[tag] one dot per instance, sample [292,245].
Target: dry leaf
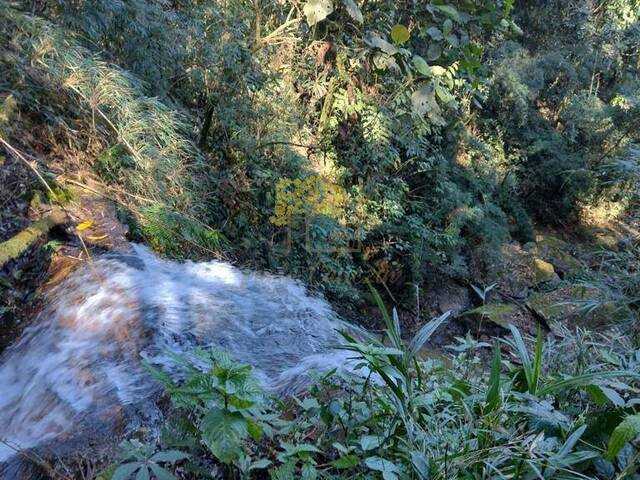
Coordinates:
[99,237]
[84,225]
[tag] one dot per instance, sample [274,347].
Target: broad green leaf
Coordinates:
[447,26]
[255,430]
[223,432]
[369,442]
[286,471]
[421,65]
[309,403]
[624,433]
[143,473]
[317,10]
[389,469]
[161,473]
[603,395]
[260,464]
[542,415]
[450,11]
[293,450]
[353,10]
[241,403]
[376,41]
[434,51]
[420,464]
[435,33]
[169,456]
[345,462]
[124,471]
[444,96]
[308,472]
[399,34]
[437,70]
[423,100]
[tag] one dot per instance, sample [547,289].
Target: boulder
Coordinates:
[560,254]
[577,305]
[543,271]
[498,313]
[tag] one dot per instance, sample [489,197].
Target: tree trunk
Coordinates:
[19,243]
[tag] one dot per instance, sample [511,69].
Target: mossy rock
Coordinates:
[604,237]
[559,253]
[607,313]
[565,306]
[608,240]
[498,313]
[543,271]
[553,307]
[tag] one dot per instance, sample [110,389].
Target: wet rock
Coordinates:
[101,228]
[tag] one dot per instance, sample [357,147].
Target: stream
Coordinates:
[81,361]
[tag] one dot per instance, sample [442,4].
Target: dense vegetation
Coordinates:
[446,138]
[341,141]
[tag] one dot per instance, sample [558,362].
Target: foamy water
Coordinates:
[84,352]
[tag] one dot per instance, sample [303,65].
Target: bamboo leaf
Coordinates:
[425,333]
[493,393]
[624,433]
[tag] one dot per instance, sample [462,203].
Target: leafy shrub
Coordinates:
[450,126]
[519,419]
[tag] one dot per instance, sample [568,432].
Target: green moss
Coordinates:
[607,313]
[498,313]
[58,195]
[18,244]
[551,307]
[579,305]
[559,253]
[543,271]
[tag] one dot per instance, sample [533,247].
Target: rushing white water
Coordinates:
[84,352]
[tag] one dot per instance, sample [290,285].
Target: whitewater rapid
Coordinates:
[84,353]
